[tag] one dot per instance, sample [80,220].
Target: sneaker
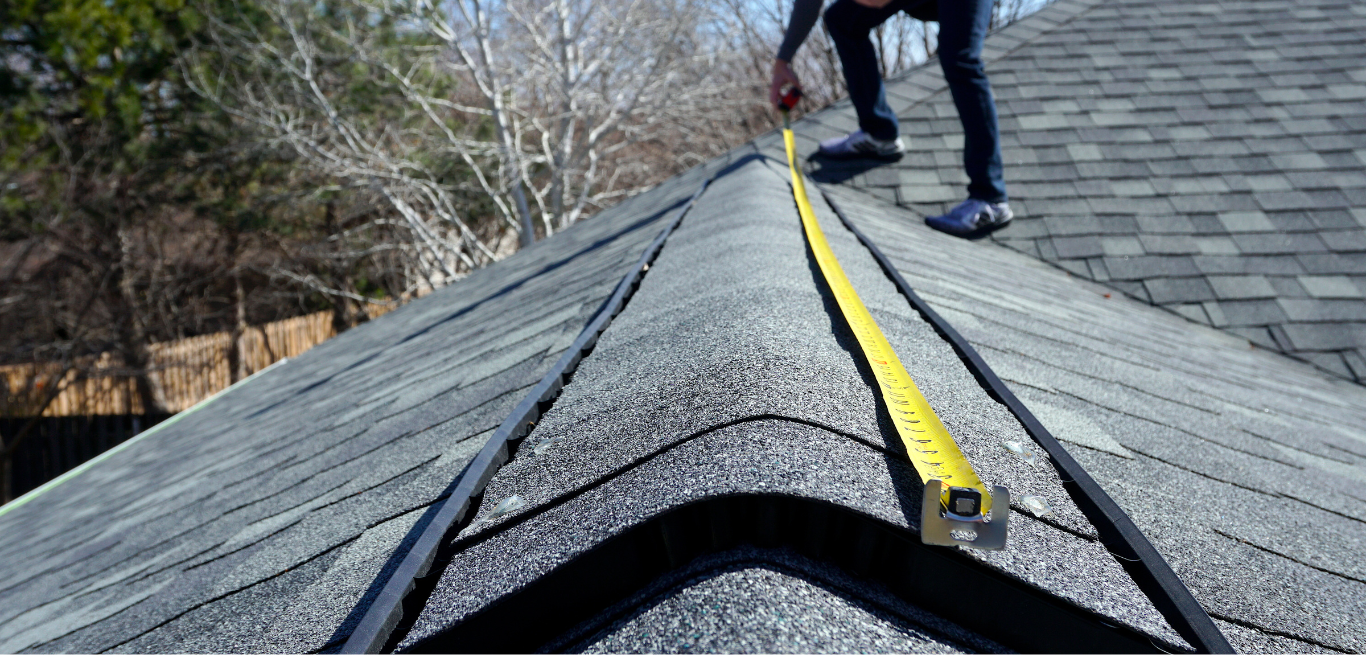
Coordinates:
[972,219]
[859,144]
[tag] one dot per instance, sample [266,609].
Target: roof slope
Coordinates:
[1207,157]
[261,521]
[1247,470]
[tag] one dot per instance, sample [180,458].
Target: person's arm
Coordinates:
[804,15]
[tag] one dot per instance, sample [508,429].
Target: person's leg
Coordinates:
[849,24]
[962,29]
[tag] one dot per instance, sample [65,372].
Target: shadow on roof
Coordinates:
[588,591]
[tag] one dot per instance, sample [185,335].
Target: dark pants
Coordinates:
[962,28]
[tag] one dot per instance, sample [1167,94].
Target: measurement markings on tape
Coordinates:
[957,509]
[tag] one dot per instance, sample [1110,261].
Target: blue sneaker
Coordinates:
[860,144]
[972,219]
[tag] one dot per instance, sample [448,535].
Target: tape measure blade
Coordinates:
[928,444]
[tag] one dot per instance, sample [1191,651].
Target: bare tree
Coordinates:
[569,84]
[297,76]
[499,116]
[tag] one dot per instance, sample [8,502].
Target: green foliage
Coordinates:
[87,62]
[88,97]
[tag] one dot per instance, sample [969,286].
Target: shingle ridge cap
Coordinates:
[472,538]
[784,560]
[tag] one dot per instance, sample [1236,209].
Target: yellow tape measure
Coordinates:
[932,450]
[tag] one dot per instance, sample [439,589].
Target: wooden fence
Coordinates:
[99,391]
[180,373]
[187,371]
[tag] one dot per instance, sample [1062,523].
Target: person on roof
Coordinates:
[962,29]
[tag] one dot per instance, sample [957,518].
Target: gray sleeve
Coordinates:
[804,15]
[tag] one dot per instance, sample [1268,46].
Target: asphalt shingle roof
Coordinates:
[1207,157]
[271,518]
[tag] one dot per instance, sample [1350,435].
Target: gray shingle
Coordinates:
[1076,266]
[1216,246]
[1350,241]
[1077,247]
[1281,200]
[1178,290]
[1142,268]
[1330,286]
[1340,219]
[1259,264]
[1121,246]
[1299,161]
[1213,203]
[1064,225]
[1241,287]
[1194,312]
[1246,221]
[1169,244]
[1278,243]
[1306,309]
[1292,221]
[1324,336]
[1287,287]
[1165,224]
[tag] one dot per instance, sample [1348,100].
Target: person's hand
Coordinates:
[782,76]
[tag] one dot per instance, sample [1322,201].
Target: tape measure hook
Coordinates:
[962,523]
